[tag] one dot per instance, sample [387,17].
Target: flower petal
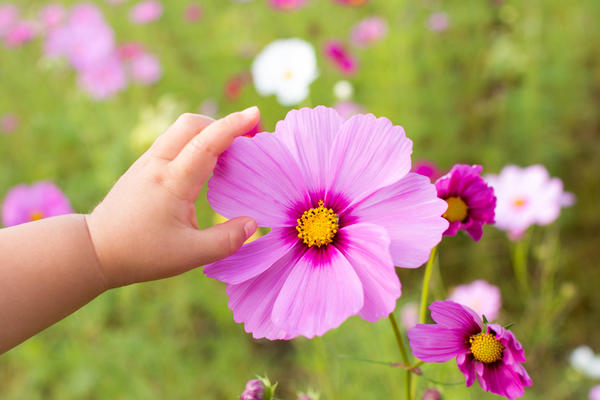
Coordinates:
[321,291]
[309,134]
[412,214]
[368,153]
[366,247]
[465,365]
[259,178]
[455,316]
[253,258]
[434,343]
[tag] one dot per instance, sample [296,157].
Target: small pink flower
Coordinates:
[9,16]
[340,57]
[29,203]
[9,123]
[19,34]
[369,31]
[145,69]
[104,79]
[427,168]
[348,109]
[193,13]
[438,22]
[52,16]
[287,5]
[129,50]
[483,298]
[145,12]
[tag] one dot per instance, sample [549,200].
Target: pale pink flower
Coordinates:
[25,203]
[595,393]
[104,79]
[52,16]
[483,298]
[369,31]
[145,12]
[438,22]
[145,69]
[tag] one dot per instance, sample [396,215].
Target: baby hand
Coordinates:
[146,227]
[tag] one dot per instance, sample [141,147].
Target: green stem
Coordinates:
[520,264]
[425,290]
[403,354]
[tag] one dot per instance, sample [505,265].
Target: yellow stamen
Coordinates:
[36,215]
[519,202]
[457,209]
[287,74]
[317,226]
[486,348]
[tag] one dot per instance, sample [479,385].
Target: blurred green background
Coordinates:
[508,82]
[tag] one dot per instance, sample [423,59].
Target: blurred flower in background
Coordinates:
[409,315]
[209,107]
[527,196]
[438,22]
[145,69]
[341,58]
[431,394]
[595,393]
[287,5]
[352,2]
[193,13]
[52,16]
[285,68]
[103,80]
[9,16]
[482,297]
[343,90]
[9,123]
[235,84]
[585,361]
[25,203]
[145,12]
[369,31]
[427,168]
[19,33]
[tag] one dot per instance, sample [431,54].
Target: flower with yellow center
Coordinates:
[457,209]
[36,216]
[486,348]
[317,226]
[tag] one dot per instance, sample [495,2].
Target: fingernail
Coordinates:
[250,111]
[250,228]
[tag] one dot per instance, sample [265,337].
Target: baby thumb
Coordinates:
[222,240]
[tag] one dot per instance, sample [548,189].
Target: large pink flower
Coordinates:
[343,210]
[490,353]
[29,203]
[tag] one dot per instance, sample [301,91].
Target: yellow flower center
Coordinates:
[287,74]
[519,202]
[457,209]
[317,226]
[486,348]
[35,216]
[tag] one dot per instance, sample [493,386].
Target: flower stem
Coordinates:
[520,264]
[403,354]
[425,290]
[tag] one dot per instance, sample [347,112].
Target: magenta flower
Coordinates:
[287,5]
[595,393]
[480,296]
[193,13]
[471,202]
[145,69]
[19,34]
[369,31]
[9,123]
[438,22]
[343,209]
[490,353]
[145,12]
[348,109]
[527,196]
[254,390]
[340,57]
[104,79]
[29,203]
[427,168]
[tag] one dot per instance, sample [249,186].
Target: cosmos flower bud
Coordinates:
[255,390]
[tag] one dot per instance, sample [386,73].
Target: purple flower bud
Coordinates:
[431,394]
[254,390]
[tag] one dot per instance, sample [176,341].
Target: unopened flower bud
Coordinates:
[254,390]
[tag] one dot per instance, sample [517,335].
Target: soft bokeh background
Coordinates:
[506,82]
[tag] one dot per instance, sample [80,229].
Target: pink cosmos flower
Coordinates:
[527,196]
[343,210]
[145,12]
[9,16]
[104,79]
[29,203]
[595,393]
[129,50]
[369,31]
[9,123]
[287,5]
[438,22]
[480,296]
[145,69]
[348,109]
[193,13]
[52,16]
[490,353]
[340,57]
[428,169]
[19,34]
[471,202]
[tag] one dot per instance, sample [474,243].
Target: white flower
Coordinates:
[343,90]
[285,68]
[584,360]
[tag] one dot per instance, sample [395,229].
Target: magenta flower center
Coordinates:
[486,348]
[457,209]
[317,226]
